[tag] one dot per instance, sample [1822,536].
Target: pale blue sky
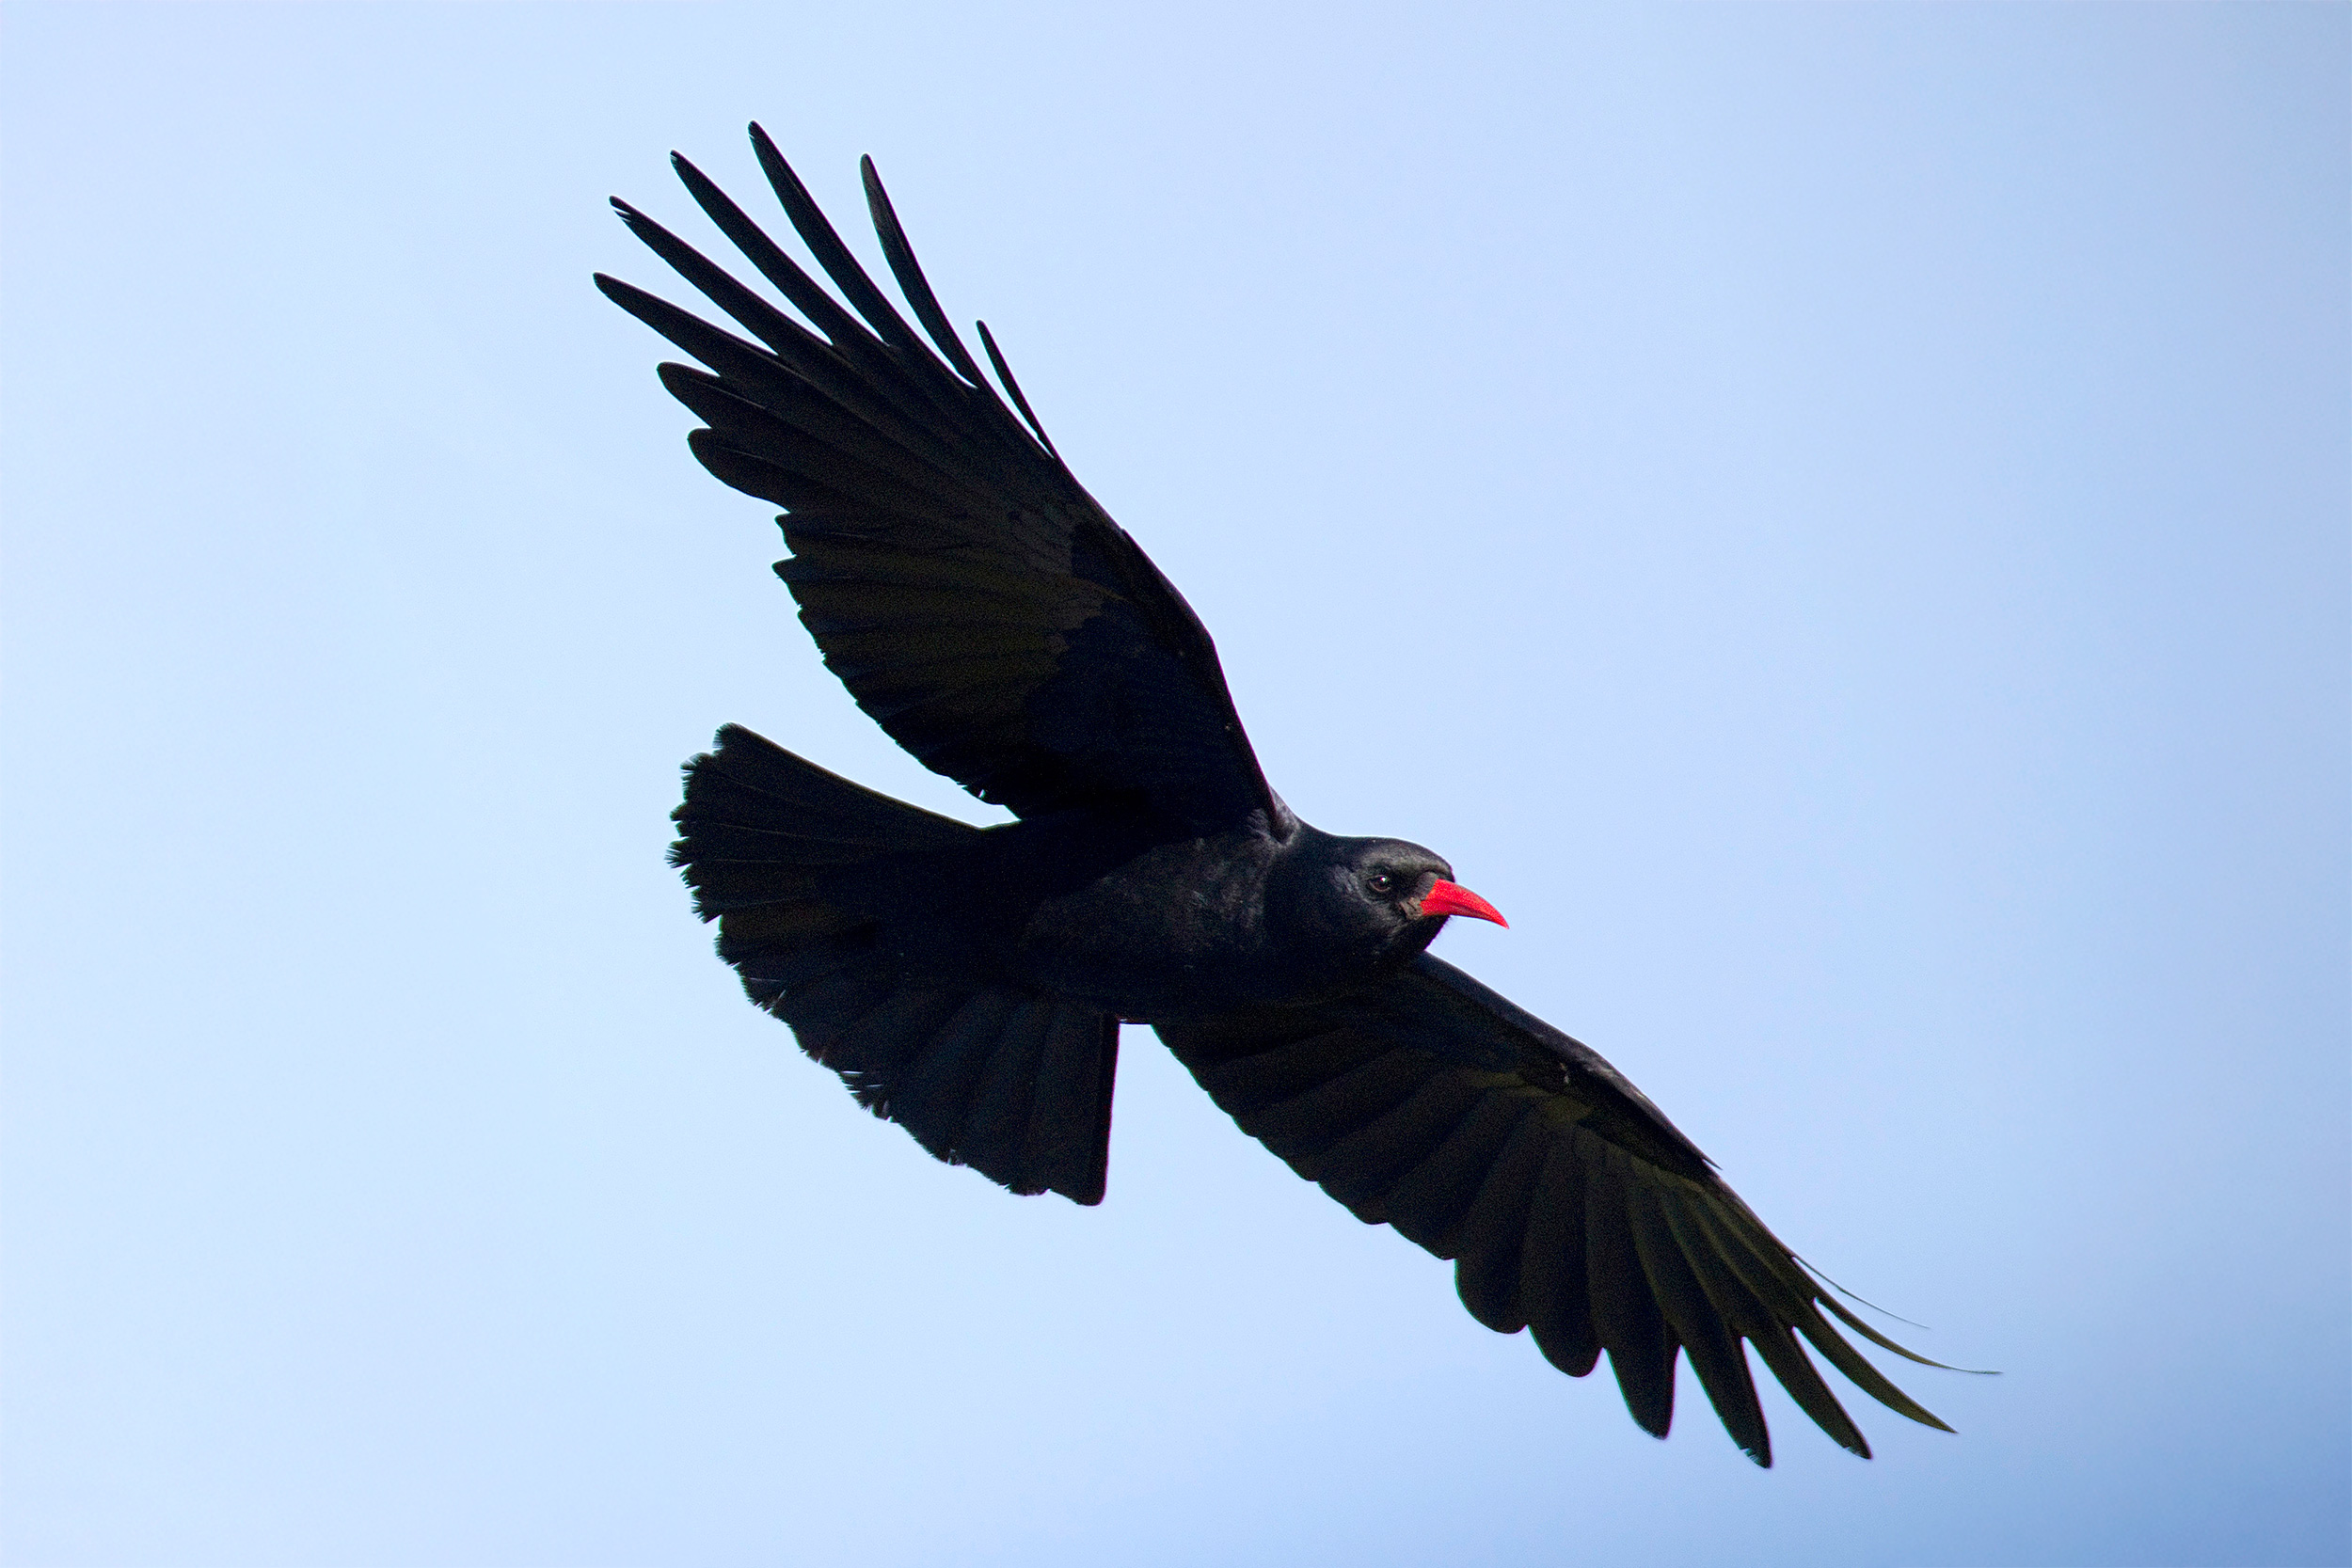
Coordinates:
[1834,518]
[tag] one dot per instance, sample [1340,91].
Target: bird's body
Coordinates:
[1195,926]
[969,984]
[1177,928]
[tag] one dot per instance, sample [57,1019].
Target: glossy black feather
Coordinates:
[1710,1341]
[1556,1286]
[1491,1248]
[1626,1317]
[1430,1203]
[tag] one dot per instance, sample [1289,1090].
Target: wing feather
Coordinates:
[1431,1203]
[1363,1168]
[1490,1270]
[1570,1204]
[1555,1287]
[1699,1323]
[1626,1317]
[969,593]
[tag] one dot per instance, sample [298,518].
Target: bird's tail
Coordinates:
[836,906]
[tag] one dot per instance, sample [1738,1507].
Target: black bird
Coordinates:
[969,984]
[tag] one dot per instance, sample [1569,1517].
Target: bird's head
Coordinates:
[1370,901]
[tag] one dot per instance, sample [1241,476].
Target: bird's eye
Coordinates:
[1381,882]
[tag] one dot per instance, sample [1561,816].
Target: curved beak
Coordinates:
[1453,898]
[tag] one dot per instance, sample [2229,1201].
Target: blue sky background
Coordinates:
[1834,518]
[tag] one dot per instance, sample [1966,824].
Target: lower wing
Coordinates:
[1568,1203]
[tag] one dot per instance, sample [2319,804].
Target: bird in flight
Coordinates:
[969,984]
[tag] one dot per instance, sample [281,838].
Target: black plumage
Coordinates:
[969,984]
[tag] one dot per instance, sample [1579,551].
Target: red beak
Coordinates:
[1453,898]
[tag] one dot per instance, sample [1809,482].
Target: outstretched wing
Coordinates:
[1568,1203]
[976,600]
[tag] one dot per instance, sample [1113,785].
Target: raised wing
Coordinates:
[976,600]
[1568,1203]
